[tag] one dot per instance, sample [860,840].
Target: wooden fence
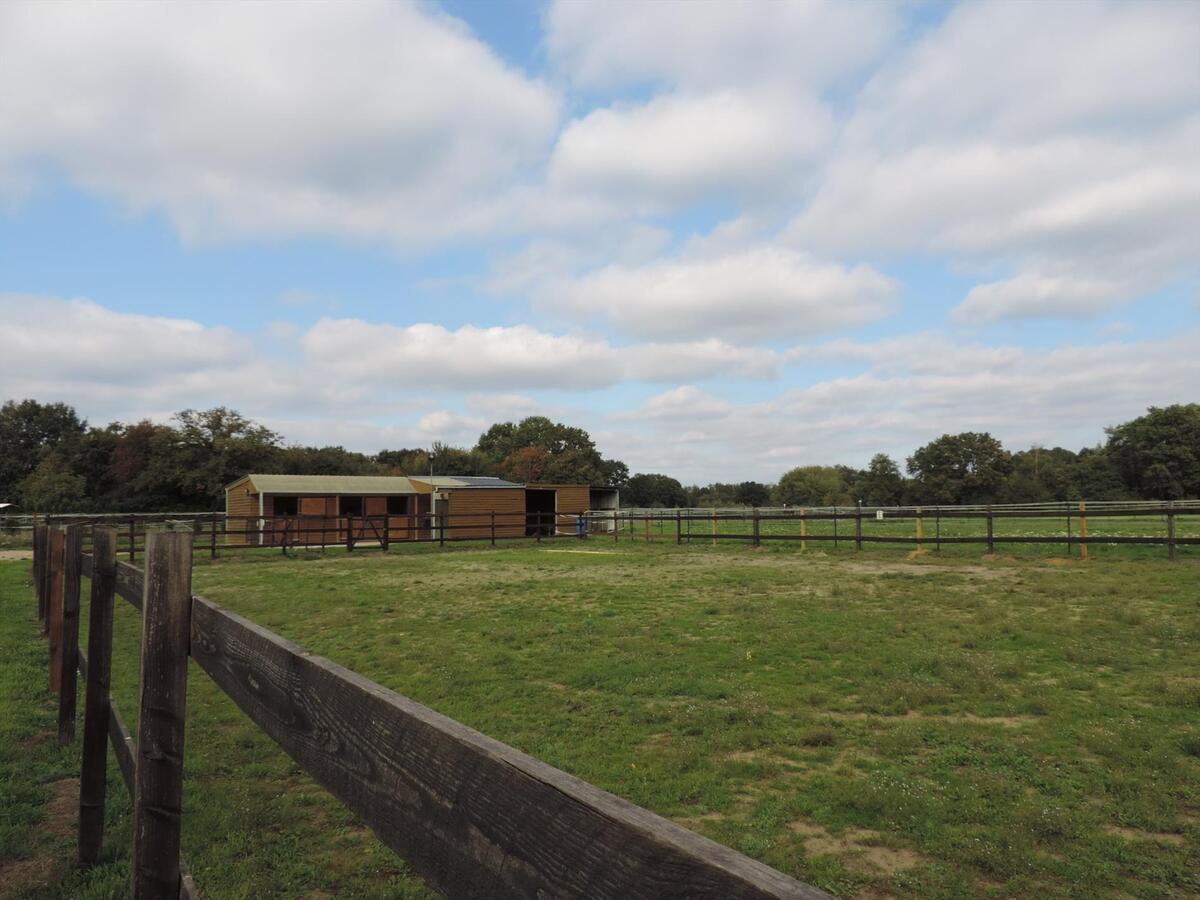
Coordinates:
[838,526]
[472,816]
[214,536]
[850,525]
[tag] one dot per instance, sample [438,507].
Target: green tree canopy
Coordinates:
[959,468]
[217,446]
[30,430]
[881,483]
[812,486]
[1158,454]
[651,490]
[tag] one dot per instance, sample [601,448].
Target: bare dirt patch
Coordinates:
[19,877]
[889,568]
[9,555]
[1136,834]
[859,846]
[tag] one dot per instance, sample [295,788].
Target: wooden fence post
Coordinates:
[647,524]
[39,569]
[920,529]
[54,607]
[757,538]
[132,538]
[990,542]
[714,526]
[212,539]
[1083,548]
[349,532]
[1171,529]
[858,527]
[678,526]
[835,531]
[441,529]
[803,528]
[68,658]
[386,529]
[616,527]
[493,528]
[95,710]
[158,774]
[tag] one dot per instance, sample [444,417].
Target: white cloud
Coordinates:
[1034,296]
[518,356]
[677,148]
[902,400]
[1077,167]
[715,44]
[1022,71]
[79,339]
[759,293]
[374,120]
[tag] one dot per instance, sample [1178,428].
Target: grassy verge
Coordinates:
[873,725]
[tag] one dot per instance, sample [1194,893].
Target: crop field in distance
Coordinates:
[878,725]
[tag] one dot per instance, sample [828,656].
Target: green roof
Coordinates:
[363,485]
[366,485]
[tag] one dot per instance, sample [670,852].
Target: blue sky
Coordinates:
[726,239]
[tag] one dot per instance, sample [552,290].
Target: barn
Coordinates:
[320,509]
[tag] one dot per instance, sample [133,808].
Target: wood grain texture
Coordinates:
[473,817]
[54,601]
[101,566]
[162,707]
[122,744]
[130,583]
[72,576]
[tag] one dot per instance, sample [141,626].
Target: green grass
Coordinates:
[941,727]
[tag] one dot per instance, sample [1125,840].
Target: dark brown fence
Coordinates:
[926,525]
[215,533]
[472,816]
[929,526]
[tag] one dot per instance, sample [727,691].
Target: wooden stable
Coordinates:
[274,510]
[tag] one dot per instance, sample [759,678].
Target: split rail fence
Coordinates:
[925,525]
[470,815]
[1065,524]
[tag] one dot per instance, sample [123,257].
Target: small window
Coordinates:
[350,506]
[287,506]
[397,506]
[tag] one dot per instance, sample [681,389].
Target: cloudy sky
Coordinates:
[725,238]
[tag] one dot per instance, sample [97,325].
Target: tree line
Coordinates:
[51,460]
[1155,456]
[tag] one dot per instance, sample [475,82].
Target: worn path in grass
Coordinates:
[875,726]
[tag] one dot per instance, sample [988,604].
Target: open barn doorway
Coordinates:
[540,507]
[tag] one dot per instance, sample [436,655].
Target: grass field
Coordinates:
[945,726]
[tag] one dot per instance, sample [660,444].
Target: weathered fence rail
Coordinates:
[757,526]
[472,816]
[214,536]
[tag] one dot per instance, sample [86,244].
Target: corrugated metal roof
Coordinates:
[363,485]
[366,485]
[472,481]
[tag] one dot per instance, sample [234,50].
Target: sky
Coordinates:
[725,238]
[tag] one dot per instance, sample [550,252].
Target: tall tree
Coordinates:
[812,486]
[217,446]
[652,490]
[1158,454]
[959,468]
[30,430]
[564,453]
[52,487]
[881,484]
[752,493]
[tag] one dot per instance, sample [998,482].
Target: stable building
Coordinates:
[326,509]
